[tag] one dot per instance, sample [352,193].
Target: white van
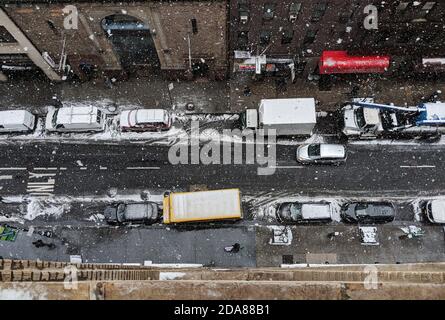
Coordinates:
[12,121]
[75,119]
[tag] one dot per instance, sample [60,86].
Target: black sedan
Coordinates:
[368,212]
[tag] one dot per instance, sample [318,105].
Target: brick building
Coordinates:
[173,37]
[408,31]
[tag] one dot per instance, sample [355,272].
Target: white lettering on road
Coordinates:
[41,184]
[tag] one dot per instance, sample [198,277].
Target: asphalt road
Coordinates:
[93,169]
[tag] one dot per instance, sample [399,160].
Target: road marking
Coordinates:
[12,169]
[143,168]
[83,168]
[103,168]
[410,167]
[63,168]
[286,167]
[41,184]
[45,169]
[5,177]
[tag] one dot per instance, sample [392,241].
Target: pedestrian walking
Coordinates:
[233,248]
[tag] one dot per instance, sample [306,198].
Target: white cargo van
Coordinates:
[75,119]
[12,121]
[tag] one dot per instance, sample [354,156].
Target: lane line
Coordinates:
[286,167]
[5,177]
[103,168]
[12,169]
[45,169]
[83,168]
[143,168]
[411,167]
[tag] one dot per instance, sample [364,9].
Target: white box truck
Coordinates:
[202,206]
[12,121]
[289,117]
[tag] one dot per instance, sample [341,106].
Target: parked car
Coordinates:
[75,119]
[298,212]
[122,213]
[368,212]
[321,153]
[145,120]
[435,211]
[15,121]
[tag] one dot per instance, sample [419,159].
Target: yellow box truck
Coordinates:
[202,206]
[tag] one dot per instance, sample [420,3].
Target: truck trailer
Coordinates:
[364,119]
[202,206]
[289,117]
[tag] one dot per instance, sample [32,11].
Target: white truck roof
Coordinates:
[287,111]
[14,117]
[203,205]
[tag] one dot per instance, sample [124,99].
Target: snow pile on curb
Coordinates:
[45,207]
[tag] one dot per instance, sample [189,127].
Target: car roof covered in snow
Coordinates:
[146,115]
[287,111]
[12,117]
[316,211]
[438,211]
[332,150]
[68,115]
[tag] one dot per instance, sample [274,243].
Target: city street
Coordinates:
[94,169]
[64,188]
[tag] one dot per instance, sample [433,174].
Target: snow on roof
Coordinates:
[11,117]
[68,115]
[438,211]
[287,111]
[316,211]
[150,115]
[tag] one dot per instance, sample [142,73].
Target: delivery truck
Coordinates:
[202,206]
[289,117]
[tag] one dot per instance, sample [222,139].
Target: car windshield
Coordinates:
[360,209]
[313,150]
[295,211]
[54,119]
[360,116]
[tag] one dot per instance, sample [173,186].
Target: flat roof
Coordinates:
[12,117]
[287,111]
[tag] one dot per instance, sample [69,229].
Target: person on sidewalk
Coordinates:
[233,248]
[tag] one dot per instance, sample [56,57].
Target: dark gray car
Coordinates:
[368,212]
[146,212]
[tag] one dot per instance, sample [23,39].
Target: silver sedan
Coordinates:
[321,153]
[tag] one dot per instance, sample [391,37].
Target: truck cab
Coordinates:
[360,121]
